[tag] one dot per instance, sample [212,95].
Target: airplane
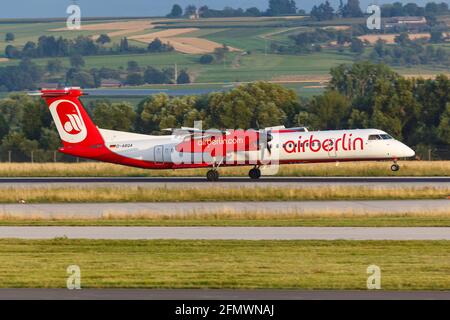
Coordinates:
[196,148]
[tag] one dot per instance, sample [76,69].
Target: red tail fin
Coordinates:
[78,133]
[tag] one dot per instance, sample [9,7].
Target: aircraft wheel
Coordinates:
[254,174]
[212,175]
[395,167]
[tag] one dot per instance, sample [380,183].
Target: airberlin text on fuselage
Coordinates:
[345,143]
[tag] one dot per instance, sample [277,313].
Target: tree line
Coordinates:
[362,95]
[275,8]
[50,46]
[352,9]
[406,52]
[27,75]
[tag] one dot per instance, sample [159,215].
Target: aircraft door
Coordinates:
[159,154]
[167,153]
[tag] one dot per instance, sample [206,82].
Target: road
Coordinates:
[200,182]
[228,233]
[97,210]
[216,294]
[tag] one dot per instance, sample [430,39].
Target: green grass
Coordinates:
[168,194]
[243,220]
[405,265]
[256,66]
[344,169]
[242,38]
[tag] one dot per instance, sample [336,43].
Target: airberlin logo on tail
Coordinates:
[68,121]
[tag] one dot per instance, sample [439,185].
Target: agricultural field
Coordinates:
[249,40]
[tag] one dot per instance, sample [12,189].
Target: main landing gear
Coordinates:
[254,173]
[212,175]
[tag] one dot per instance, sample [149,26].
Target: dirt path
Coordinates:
[390,38]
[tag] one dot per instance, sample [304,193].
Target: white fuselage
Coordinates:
[285,147]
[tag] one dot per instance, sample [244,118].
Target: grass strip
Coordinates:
[405,265]
[217,193]
[229,219]
[95,169]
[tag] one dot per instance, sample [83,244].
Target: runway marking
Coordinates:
[229,233]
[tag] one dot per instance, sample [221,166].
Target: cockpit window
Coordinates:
[386,137]
[375,137]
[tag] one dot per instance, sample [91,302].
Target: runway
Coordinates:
[97,210]
[200,182]
[216,294]
[228,233]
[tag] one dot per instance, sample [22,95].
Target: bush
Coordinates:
[206,59]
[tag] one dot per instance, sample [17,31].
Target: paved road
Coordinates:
[200,182]
[228,233]
[96,210]
[216,294]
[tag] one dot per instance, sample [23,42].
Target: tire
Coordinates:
[395,167]
[212,175]
[254,174]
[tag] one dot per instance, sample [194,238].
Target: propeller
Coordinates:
[265,137]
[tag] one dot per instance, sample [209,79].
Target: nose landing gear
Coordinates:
[254,173]
[395,167]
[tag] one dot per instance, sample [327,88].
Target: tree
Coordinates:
[124,47]
[220,52]
[183,77]
[155,76]
[403,39]
[254,105]
[103,38]
[329,111]
[352,9]
[16,142]
[281,7]
[323,12]
[54,66]
[29,50]
[12,52]
[77,61]
[32,69]
[77,78]
[158,46]
[4,127]
[253,12]
[160,111]
[206,59]
[357,45]
[9,37]
[190,10]
[176,12]
[443,129]
[118,116]
[133,66]
[134,79]
[436,35]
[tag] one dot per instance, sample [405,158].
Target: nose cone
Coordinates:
[407,152]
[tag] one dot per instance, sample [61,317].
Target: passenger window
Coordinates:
[374,137]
